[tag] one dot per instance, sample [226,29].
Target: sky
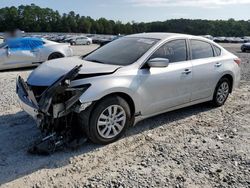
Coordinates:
[146,10]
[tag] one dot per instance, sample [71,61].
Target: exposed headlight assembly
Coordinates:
[66,101]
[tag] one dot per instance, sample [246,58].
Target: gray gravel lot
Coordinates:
[198,146]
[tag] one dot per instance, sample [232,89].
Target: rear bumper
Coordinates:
[236,77]
[27,104]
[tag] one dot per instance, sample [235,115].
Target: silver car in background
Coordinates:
[25,52]
[80,40]
[129,79]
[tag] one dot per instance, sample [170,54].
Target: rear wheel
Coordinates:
[55,56]
[221,92]
[109,120]
[88,43]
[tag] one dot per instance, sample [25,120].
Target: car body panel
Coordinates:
[50,71]
[158,87]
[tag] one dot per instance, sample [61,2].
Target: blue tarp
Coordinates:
[24,43]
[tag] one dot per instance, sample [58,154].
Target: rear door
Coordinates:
[166,87]
[205,66]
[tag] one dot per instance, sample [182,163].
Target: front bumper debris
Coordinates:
[26,98]
[39,107]
[54,115]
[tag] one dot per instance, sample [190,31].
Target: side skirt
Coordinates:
[140,118]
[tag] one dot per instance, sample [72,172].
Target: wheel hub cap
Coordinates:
[111,121]
[222,92]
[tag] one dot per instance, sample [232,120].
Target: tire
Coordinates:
[73,43]
[221,92]
[243,50]
[55,56]
[88,43]
[104,129]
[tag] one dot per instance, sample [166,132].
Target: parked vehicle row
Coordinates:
[245,47]
[129,79]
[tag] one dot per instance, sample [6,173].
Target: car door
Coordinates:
[80,40]
[20,54]
[166,87]
[85,40]
[204,69]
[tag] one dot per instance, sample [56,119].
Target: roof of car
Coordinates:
[158,35]
[24,43]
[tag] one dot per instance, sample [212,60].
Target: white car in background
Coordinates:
[25,52]
[81,41]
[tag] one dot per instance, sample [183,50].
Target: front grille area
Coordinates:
[38,90]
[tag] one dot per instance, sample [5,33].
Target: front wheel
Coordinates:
[109,120]
[221,92]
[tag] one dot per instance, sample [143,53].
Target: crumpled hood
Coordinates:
[48,72]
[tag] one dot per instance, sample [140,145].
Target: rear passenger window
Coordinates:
[201,49]
[175,51]
[217,51]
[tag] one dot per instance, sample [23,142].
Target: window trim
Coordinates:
[164,43]
[215,54]
[190,49]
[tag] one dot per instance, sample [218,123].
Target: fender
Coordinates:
[100,87]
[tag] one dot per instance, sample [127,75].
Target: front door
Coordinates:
[166,87]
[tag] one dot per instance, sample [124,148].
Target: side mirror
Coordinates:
[158,62]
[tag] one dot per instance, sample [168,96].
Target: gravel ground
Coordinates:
[198,146]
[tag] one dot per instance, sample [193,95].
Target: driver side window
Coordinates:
[174,51]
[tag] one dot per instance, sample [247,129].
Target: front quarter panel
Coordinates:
[102,86]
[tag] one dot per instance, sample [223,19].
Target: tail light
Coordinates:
[237,61]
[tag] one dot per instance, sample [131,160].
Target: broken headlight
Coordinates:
[66,101]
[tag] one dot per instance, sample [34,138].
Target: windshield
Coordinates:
[123,51]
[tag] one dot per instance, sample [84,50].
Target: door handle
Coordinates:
[186,71]
[218,64]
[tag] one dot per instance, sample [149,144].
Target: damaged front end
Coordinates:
[55,106]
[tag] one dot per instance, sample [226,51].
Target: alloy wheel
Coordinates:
[111,121]
[222,92]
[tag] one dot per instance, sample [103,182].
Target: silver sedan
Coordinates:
[24,52]
[127,80]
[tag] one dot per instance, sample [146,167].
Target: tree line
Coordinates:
[32,18]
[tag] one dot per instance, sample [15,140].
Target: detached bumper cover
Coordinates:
[26,100]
